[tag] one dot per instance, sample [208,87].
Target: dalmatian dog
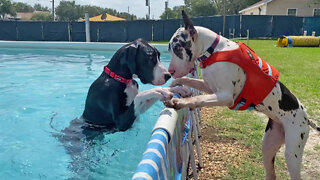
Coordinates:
[224,81]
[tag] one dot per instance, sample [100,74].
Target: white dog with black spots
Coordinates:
[223,82]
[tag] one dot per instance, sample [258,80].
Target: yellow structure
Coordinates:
[108,17]
[298,41]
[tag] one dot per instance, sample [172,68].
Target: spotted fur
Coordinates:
[180,44]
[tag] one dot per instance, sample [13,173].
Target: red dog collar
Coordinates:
[116,76]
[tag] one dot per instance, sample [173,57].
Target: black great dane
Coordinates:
[113,101]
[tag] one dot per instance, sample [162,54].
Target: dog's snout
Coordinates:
[167,77]
[172,72]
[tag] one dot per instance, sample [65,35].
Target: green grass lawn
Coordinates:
[300,71]
[160,42]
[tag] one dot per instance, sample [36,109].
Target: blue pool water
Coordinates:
[42,86]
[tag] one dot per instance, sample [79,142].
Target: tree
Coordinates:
[41,16]
[126,15]
[120,14]
[6,8]
[39,7]
[232,6]
[22,7]
[202,8]
[92,10]
[68,11]
[171,14]
[313,3]
[178,10]
[195,8]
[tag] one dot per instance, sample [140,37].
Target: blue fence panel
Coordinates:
[205,22]
[139,29]
[158,33]
[8,30]
[214,23]
[170,27]
[164,29]
[55,31]
[259,26]
[197,21]
[112,31]
[94,31]
[232,24]
[287,25]
[78,31]
[312,24]
[159,30]
[217,24]
[29,31]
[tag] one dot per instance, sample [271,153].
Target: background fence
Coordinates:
[157,30]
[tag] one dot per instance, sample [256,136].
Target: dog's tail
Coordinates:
[313,125]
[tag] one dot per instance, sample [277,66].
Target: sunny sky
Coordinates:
[136,7]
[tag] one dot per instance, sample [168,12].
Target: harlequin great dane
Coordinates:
[234,76]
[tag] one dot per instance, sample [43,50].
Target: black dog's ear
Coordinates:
[188,25]
[130,55]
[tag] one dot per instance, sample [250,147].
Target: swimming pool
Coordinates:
[39,86]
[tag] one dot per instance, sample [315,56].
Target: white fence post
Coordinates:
[87,27]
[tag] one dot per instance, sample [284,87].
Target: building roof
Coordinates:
[258,4]
[108,17]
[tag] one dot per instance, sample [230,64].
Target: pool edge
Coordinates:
[96,46]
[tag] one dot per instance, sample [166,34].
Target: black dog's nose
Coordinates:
[167,77]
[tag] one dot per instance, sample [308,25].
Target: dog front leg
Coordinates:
[144,100]
[218,99]
[194,83]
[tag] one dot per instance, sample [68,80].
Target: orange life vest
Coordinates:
[261,77]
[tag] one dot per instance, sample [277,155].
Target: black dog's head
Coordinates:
[182,48]
[143,60]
